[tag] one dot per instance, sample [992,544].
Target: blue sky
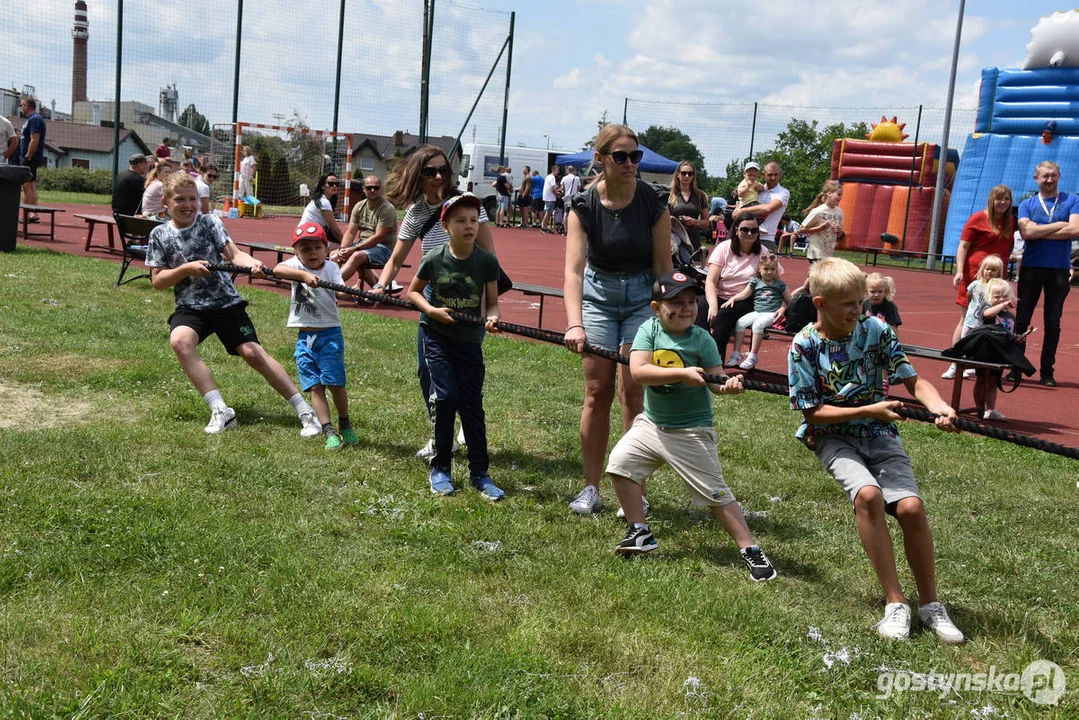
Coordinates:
[572,60]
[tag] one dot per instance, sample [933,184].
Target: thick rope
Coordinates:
[555,338]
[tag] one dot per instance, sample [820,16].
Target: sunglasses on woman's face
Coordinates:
[748,231]
[620,156]
[686,173]
[211,177]
[430,172]
[335,183]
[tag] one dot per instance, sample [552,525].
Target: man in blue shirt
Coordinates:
[1048,222]
[32,149]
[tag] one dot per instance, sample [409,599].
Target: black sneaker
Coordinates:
[638,540]
[1048,381]
[760,567]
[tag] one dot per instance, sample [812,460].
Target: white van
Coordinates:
[478,159]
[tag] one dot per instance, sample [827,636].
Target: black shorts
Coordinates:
[231,325]
[33,165]
[537,204]
[523,201]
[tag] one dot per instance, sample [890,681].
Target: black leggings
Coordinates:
[725,320]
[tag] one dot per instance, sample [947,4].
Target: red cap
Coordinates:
[466,198]
[309,230]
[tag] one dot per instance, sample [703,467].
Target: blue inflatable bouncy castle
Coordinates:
[1024,117]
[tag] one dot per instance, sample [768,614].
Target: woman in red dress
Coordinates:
[987,232]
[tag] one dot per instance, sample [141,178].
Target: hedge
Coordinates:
[73,179]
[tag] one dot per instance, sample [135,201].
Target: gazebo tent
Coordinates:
[651,162]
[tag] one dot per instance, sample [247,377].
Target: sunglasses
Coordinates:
[748,231]
[372,187]
[620,156]
[211,177]
[686,173]
[336,183]
[430,172]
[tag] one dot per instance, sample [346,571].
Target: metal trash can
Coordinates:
[12,178]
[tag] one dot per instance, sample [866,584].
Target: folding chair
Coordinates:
[134,238]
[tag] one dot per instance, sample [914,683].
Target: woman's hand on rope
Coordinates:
[576,338]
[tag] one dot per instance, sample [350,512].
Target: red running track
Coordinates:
[926,301]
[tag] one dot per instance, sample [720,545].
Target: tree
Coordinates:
[591,144]
[192,118]
[672,143]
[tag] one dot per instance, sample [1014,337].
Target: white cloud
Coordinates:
[570,80]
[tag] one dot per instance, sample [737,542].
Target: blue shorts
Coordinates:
[320,358]
[548,206]
[503,202]
[614,306]
[378,255]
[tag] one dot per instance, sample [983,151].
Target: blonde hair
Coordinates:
[829,187]
[834,275]
[174,183]
[889,284]
[676,192]
[605,138]
[998,284]
[995,194]
[990,261]
[152,175]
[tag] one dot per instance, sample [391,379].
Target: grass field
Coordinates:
[148,570]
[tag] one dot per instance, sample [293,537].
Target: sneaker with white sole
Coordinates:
[749,362]
[895,625]
[994,415]
[949,374]
[735,359]
[587,501]
[221,420]
[638,540]
[760,567]
[644,502]
[969,373]
[487,488]
[394,288]
[441,482]
[460,439]
[934,617]
[428,451]
[311,426]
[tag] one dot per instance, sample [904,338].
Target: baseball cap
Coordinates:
[466,198]
[308,230]
[670,284]
[136,159]
[751,166]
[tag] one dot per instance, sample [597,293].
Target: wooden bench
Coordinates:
[918,351]
[541,291]
[40,210]
[947,262]
[93,221]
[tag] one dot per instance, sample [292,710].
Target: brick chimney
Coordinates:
[80,33]
[398,138]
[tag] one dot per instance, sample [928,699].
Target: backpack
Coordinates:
[800,312]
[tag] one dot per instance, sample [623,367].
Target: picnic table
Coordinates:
[40,210]
[94,220]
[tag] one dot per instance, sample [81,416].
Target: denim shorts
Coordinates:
[503,202]
[378,255]
[614,306]
[320,358]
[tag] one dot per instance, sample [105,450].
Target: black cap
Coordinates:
[136,159]
[670,284]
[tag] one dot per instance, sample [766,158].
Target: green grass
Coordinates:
[52,197]
[148,570]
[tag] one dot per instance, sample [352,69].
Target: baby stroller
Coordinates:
[684,257]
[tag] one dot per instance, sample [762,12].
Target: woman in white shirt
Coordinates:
[320,209]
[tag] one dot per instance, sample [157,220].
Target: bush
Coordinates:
[72,179]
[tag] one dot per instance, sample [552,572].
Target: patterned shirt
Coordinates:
[204,239]
[845,373]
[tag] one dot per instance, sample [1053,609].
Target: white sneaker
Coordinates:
[949,374]
[969,373]
[221,420]
[622,513]
[311,426]
[394,288]
[896,622]
[460,439]
[935,618]
[735,359]
[994,415]
[750,361]
[587,501]
[428,451]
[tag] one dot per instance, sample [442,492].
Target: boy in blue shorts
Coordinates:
[458,276]
[669,357]
[836,371]
[320,347]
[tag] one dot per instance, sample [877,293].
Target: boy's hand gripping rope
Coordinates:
[909,412]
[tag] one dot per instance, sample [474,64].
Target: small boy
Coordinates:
[320,346]
[750,186]
[836,373]
[462,277]
[179,255]
[669,357]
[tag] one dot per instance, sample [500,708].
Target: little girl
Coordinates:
[998,311]
[770,298]
[823,224]
[880,291]
[990,267]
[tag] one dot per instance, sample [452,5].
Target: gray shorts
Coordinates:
[878,462]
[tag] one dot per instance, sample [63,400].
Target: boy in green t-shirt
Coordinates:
[669,357]
[458,276]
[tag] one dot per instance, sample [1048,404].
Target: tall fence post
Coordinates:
[425,65]
[506,96]
[116,102]
[625,111]
[910,191]
[236,70]
[337,84]
[753,131]
[942,165]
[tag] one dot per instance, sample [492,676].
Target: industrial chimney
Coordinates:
[79,34]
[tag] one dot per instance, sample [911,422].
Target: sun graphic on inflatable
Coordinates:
[888,131]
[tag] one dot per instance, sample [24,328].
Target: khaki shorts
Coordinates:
[691,453]
[879,462]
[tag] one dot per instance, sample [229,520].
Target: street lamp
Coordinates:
[548,140]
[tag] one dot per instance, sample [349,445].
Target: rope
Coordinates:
[555,338]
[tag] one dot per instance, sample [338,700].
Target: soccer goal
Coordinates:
[289,160]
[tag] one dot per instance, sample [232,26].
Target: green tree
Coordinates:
[192,118]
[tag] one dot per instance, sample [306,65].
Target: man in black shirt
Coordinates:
[128,188]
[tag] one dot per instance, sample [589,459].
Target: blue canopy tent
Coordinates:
[651,162]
